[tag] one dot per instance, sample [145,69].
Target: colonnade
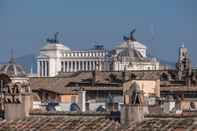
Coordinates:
[43,68]
[74,66]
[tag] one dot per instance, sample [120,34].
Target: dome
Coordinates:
[133,44]
[13,69]
[131,53]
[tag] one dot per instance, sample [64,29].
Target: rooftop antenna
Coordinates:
[149,52]
[183,45]
[152,32]
[12,60]
[31,70]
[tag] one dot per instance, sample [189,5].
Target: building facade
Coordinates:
[131,55]
[55,57]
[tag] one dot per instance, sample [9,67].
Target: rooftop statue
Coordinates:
[131,37]
[53,40]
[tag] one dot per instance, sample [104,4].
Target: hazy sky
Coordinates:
[162,25]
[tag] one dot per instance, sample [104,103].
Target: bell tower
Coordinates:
[15,91]
[17,100]
[184,65]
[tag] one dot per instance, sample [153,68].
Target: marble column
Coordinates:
[46,68]
[66,69]
[79,62]
[42,68]
[38,68]
[100,66]
[90,65]
[93,65]
[82,65]
[68,66]
[82,100]
[63,66]
[96,64]
[75,67]
[71,68]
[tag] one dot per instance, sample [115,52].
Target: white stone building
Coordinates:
[133,44]
[55,57]
[131,55]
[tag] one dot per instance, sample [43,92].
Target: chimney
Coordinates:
[133,109]
[18,101]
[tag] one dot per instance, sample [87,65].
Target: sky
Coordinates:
[162,25]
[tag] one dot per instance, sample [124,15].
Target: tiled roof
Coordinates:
[97,123]
[164,124]
[60,124]
[55,84]
[60,84]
